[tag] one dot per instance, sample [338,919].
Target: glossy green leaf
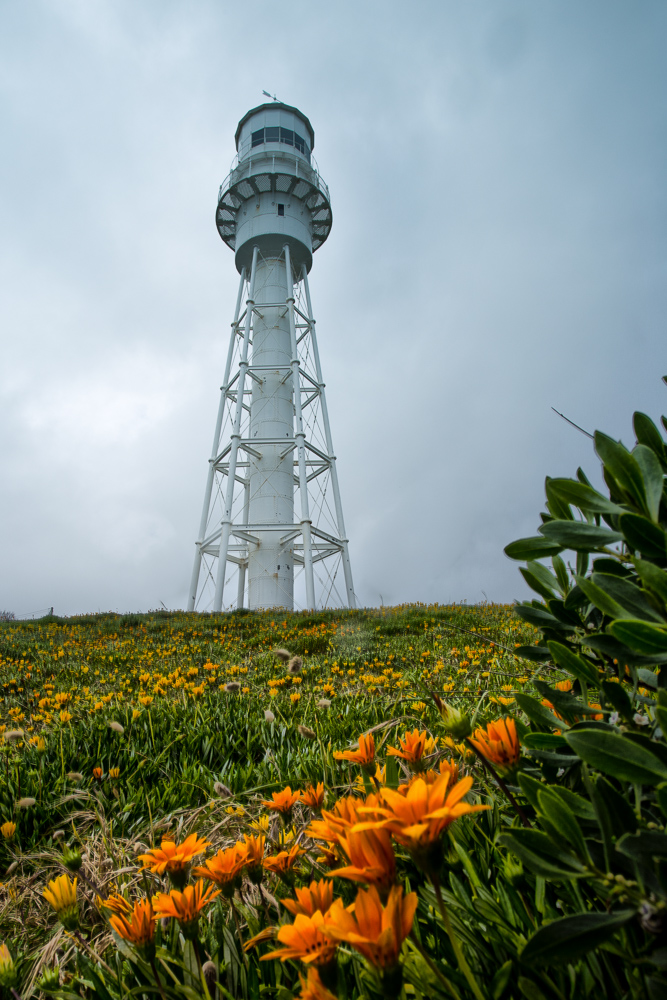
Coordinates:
[647,433]
[558,507]
[618,461]
[535,653]
[537,713]
[541,855]
[651,470]
[566,939]
[576,665]
[640,636]
[577,535]
[644,536]
[626,595]
[618,698]
[558,813]
[535,583]
[653,578]
[538,616]
[560,569]
[584,497]
[618,756]
[600,599]
[532,548]
[645,845]
[544,741]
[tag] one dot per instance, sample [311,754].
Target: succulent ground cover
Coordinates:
[423,801]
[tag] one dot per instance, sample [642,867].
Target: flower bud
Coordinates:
[72,858]
[456,723]
[8,974]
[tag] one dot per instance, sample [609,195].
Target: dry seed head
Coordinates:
[294,665]
[26,802]
[232,687]
[14,734]
[221,789]
[58,834]
[308,733]
[210,974]
[117,728]
[12,868]
[324,703]
[282,654]
[269,716]
[75,776]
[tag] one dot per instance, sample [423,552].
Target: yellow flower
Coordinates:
[319,896]
[8,830]
[371,858]
[66,717]
[8,973]
[61,895]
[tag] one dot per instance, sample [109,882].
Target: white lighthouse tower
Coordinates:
[272,532]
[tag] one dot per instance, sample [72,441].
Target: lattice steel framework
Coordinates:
[315,538]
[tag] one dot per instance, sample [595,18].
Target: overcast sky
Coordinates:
[497,172]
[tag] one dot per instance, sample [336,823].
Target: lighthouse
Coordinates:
[272,532]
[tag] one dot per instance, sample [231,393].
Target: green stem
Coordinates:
[487,767]
[157,978]
[464,968]
[434,968]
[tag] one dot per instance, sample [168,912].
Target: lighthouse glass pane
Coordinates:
[258,138]
[299,142]
[287,136]
[272,133]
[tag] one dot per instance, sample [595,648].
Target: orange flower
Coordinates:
[137,927]
[313,988]
[174,859]
[314,796]
[413,747]
[251,854]
[499,744]
[282,802]
[283,862]
[222,869]
[305,940]
[185,906]
[374,930]
[371,856]
[318,897]
[431,776]
[344,814]
[418,818]
[97,773]
[364,755]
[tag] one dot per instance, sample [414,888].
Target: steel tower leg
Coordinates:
[194,582]
[300,441]
[226,525]
[347,568]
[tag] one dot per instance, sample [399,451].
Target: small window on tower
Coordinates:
[258,138]
[281,209]
[287,136]
[272,133]
[299,142]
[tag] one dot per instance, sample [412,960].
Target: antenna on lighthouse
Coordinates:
[272,531]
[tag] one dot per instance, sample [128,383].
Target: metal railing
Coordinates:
[274,162]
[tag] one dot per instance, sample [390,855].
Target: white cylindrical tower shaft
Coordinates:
[270,563]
